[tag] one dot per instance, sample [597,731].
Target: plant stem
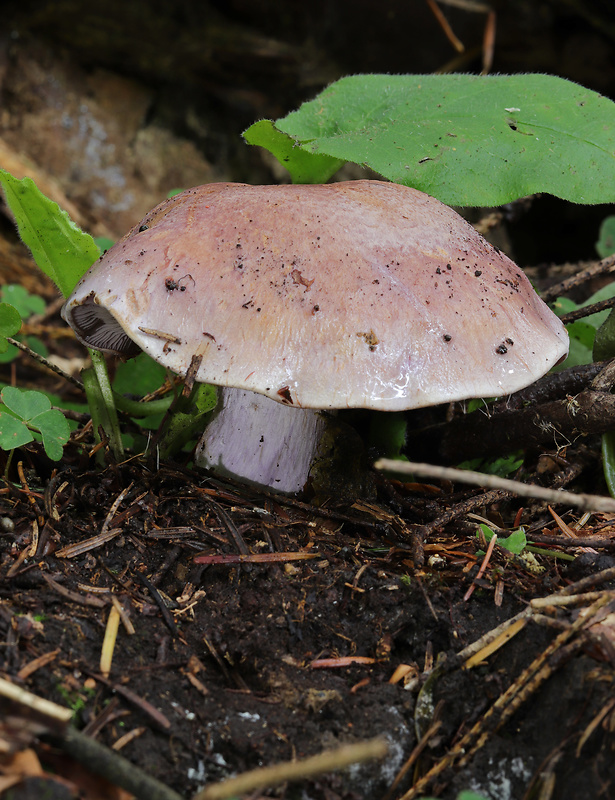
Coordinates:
[139,408]
[101,401]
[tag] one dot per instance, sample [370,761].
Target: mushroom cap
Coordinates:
[362,294]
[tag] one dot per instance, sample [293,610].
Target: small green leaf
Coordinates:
[515,543]
[13,432]
[304,167]
[25,404]
[21,299]
[138,376]
[472,140]
[604,343]
[583,332]
[471,796]
[503,466]
[53,427]
[10,323]
[103,243]
[187,419]
[61,250]
[605,246]
[387,432]
[27,411]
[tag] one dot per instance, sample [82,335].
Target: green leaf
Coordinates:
[471,796]
[61,250]
[504,466]
[8,355]
[10,323]
[54,428]
[187,420]
[27,411]
[583,332]
[25,404]
[21,299]
[56,400]
[304,167]
[605,246]
[468,140]
[604,343]
[515,543]
[13,432]
[138,376]
[103,243]
[387,432]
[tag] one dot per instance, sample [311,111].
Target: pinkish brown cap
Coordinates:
[363,294]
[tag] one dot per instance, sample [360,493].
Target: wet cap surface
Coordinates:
[358,294]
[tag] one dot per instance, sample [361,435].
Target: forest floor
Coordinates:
[256,629]
[232,655]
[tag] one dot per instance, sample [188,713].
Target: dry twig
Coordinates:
[579,500]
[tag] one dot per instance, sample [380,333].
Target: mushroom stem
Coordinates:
[256,439]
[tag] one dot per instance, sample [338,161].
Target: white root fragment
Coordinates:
[256,439]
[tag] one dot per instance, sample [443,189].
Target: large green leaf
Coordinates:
[468,140]
[61,249]
[304,167]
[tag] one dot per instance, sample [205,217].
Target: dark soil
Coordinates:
[237,663]
[231,666]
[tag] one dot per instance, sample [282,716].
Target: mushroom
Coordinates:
[299,300]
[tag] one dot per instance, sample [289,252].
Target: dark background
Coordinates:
[212,68]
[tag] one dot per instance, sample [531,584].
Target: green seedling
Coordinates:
[517,545]
[26,413]
[186,418]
